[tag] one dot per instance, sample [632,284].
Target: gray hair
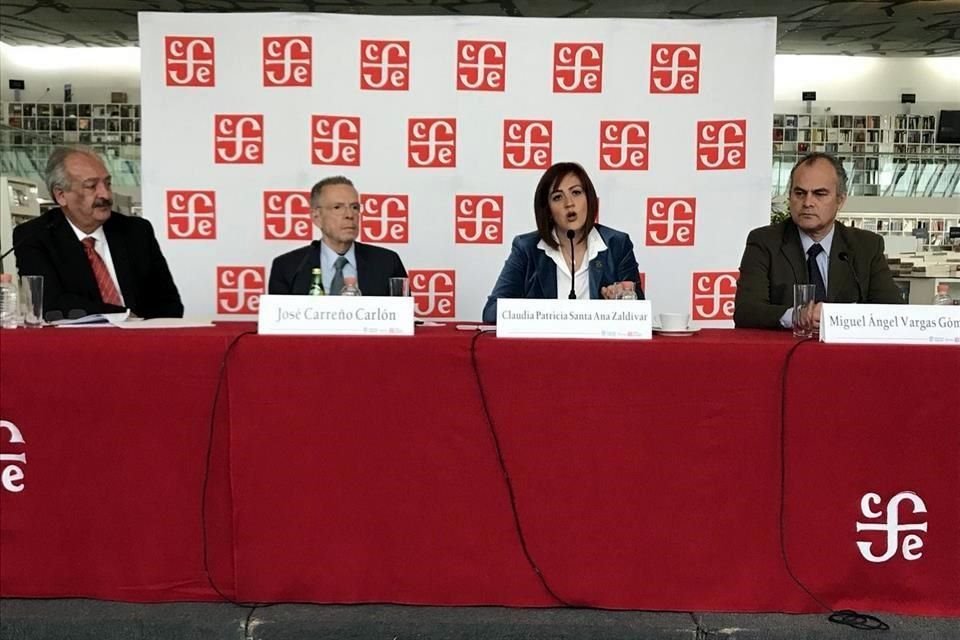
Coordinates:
[810,158]
[55,175]
[327,182]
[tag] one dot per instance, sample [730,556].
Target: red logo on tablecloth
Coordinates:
[431,142]
[479,219]
[577,67]
[385,218]
[239,289]
[527,144]
[434,292]
[336,140]
[481,65]
[11,473]
[238,139]
[287,61]
[189,61]
[675,68]
[891,527]
[671,222]
[385,65]
[713,293]
[191,215]
[721,144]
[624,144]
[286,215]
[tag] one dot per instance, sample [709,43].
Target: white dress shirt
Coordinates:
[595,245]
[102,247]
[823,263]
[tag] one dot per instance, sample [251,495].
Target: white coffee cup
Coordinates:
[674,321]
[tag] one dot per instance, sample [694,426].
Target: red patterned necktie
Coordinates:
[108,291]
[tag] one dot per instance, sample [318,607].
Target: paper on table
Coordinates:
[164,323]
[93,320]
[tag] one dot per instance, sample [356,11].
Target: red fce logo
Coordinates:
[238,139]
[675,68]
[431,142]
[189,61]
[191,215]
[385,65]
[624,145]
[385,218]
[335,140]
[481,65]
[286,215]
[239,289]
[527,144]
[433,292]
[713,293]
[479,219]
[671,222]
[287,61]
[721,144]
[577,67]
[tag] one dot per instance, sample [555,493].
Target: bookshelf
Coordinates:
[73,122]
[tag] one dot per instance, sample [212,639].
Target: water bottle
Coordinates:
[9,307]
[316,282]
[350,287]
[628,290]
[942,296]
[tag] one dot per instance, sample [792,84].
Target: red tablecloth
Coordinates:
[646,475]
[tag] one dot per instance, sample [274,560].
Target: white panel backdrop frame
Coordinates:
[210,214]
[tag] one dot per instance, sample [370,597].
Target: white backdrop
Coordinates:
[445,126]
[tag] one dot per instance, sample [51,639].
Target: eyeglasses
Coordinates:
[341,209]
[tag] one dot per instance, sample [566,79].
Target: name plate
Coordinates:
[890,324]
[335,315]
[608,319]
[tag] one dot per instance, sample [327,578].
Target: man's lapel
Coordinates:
[121,259]
[792,251]
[841,287]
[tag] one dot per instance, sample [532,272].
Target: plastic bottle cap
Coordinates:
[6,277]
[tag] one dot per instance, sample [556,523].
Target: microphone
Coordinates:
[573,292]
[845,258]
[43,229]
[306,256]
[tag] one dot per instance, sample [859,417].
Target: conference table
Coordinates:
[732,470]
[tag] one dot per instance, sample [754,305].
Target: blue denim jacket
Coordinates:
[530,273]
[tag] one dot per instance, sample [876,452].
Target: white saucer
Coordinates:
[689,331]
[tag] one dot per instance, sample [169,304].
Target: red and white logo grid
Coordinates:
[434,292]
[675,68]
[238,138]
[286,215]
[431,143]
[713,294]
[481,65]
[479,219]
[191,215]
[527,144]
[189,61]
[721,144]
[578,67]
[239,289]
[671,222]
[385,218]
[287,61]
[385,65]
[335,140]
[624,145]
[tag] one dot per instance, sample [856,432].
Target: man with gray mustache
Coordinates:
[92,259]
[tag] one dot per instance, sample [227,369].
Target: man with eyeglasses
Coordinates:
[335,210]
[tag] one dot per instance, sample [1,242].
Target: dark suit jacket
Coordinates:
[530,273]
[774,261]
[48,247]
[290,273]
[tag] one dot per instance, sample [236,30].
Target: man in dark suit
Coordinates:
[335,210]
[845,264]
[92,259]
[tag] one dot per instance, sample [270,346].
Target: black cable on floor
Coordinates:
[848,617]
